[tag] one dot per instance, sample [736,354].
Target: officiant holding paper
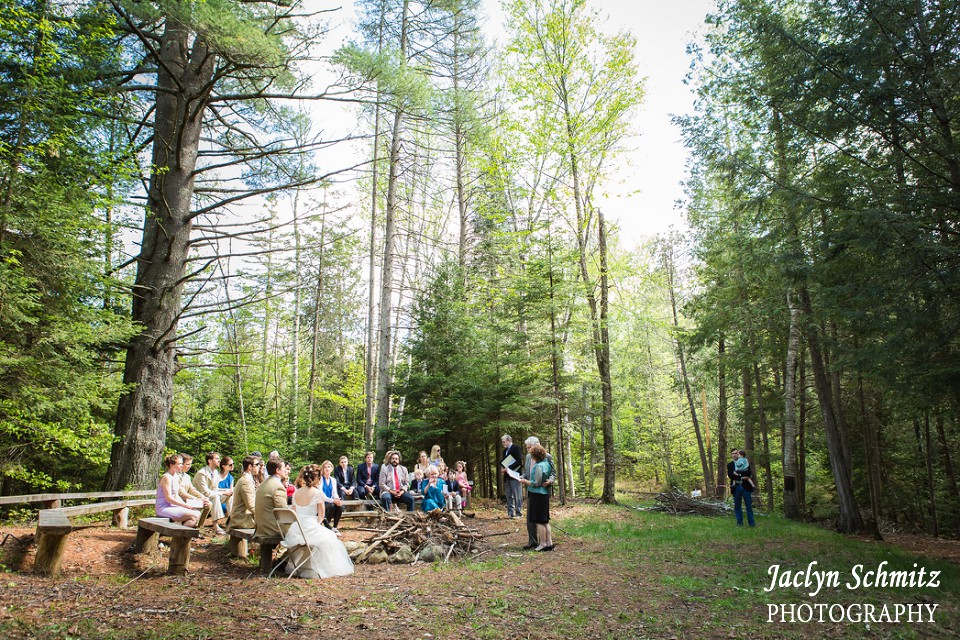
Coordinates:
[512,460]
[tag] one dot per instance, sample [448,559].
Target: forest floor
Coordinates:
[616,572]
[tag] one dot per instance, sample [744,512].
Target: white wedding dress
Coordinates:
[329,557]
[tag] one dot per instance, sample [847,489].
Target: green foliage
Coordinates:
[57,169]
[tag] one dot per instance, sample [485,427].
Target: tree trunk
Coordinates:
[873,461]
[948,466]
[704,464]
[748,412]
[931,488]
[764,433]
[141,424]
[791,504]
[384,382]
[848,520]
[555,377]
[802,430]
[720,485]
[609,495]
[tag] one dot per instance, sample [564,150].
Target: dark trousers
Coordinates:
[386,499]
[742,495]
[332,514]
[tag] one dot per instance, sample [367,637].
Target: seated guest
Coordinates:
[432,491]
[346,479]
[452,492]
[435,458]
[289,486]
[461,470]
[244,497]
[186,481]
[271,494]
[259,471]
[332,502]
[205,481]
[368,477]
[172,496]
[225,484]
[417,486]
[393,482]
[422,463]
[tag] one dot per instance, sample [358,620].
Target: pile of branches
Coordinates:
[430,536]
[681,504]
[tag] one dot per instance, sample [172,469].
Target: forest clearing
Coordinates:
[615,573]
[349,234]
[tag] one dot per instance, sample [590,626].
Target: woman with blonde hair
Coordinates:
[435,458]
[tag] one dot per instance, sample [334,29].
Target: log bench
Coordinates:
[237,543]
[54,526]
[149,531]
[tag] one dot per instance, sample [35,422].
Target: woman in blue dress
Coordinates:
[432,491]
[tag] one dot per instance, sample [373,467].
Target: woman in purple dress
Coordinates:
[170,503]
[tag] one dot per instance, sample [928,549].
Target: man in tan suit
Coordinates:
[270,495]
[244,497]
[205,481]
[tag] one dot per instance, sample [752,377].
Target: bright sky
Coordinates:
[642,199]
[642,195]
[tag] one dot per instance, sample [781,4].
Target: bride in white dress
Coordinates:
[328,555]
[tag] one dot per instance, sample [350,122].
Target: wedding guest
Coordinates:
[423,462]
[435,458]
[368,477]
[225,484]
[205,481]
[171,496]
[346,479]
[433,497]
[333,502]
[393,482]
[243,509]
[460,468]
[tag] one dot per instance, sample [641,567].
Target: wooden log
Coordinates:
[237,547]
[120,517]
[50,548]
[147,541]
[52,531]
[266,555]
[179,555]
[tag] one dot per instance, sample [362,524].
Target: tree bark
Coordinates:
[791,503]
[704,464]
[720,486]
[183,80]
[384,381]
[849,519]
[764,437]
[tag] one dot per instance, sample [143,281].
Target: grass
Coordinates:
[720,573]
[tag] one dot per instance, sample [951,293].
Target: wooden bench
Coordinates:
[238,540]
[149,531]
[54,526]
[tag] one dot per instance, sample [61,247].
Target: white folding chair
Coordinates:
[286,518]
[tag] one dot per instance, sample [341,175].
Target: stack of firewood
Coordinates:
[409,537]
[680,503]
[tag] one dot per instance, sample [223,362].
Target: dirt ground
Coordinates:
[106,591]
